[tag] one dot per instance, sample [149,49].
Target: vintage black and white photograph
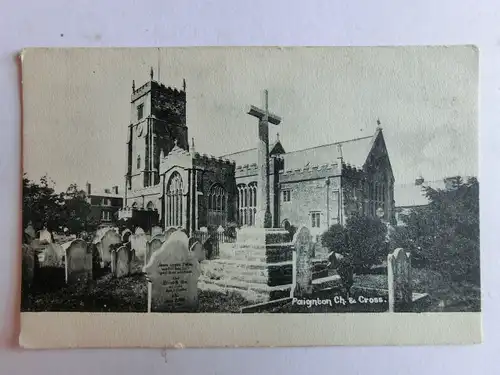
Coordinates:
[251,180]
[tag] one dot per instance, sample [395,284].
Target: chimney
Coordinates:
[89,191]
[115,189]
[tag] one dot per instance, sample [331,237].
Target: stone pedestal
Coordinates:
[262,236]
[259,266]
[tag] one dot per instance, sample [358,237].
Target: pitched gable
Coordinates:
[377,154]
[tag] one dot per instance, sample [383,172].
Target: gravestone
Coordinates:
[109,238]
[112,251]
[156,230]
[209,247]
[399,281]
[45,236]
[138,243]
[28,266]
[169,231]
[152,246]
[52,255]
[303,248]
[30,231]
[126,235]
[173,274]
[197,250]
[123,261]
[78,265]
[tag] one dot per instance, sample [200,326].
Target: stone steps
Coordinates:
[234,271]
[243,285]
[249,295]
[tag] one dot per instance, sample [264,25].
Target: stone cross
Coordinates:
[263,218]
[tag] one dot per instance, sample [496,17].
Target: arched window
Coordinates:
[247,203]
[174,196]
[217,206]
[134,205]
[150,206]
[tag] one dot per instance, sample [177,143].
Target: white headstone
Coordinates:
[78,265]
[123,261]
[138,243]
[173,273]
[152,246]
[399,280]
[156,230]
[303,246]
[168,232]
[51,256]
[109,238]
[46,236]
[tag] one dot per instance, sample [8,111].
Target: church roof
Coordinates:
[354,152]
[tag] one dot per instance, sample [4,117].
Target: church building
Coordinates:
[178,186]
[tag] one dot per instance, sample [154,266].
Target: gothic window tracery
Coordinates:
[217,206]
[247,203]
[174,202]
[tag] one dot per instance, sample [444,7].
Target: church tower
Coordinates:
[157,123]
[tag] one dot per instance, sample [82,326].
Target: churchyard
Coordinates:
[167,271]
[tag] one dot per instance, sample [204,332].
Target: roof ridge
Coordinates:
[239,152]
[331,144]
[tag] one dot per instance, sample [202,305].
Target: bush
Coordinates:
[361,243]
[444,235]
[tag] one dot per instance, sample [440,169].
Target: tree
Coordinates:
[77,211]
[445,234]
[41,205]
[361,244]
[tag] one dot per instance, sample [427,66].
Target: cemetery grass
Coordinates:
[445,296]
[108,294]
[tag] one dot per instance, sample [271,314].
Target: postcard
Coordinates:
[250,196]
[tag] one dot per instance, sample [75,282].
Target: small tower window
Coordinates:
[140,111]
[138,161]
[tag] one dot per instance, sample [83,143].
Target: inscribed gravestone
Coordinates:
[78,265]
[152,246]
[302,243]
[123,261]
[399,280]
[197,250]
[173,274]
[110,237]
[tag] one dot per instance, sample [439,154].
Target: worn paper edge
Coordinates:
[56,330]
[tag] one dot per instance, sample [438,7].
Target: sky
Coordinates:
[76,104]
